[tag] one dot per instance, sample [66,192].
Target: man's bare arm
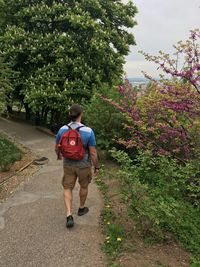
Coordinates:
[93,154]
[57,150]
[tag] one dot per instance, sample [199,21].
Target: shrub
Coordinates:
[9,153]
[104,119]
[161,182]
[154,189]
[165,116]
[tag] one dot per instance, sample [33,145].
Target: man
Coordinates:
[80,169]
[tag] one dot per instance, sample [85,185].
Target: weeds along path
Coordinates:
[124,245]
[32,220]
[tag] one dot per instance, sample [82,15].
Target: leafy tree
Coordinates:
[65,49]
[5,85]
[188,53]
[165,117]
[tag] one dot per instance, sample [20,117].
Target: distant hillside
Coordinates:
[138,81]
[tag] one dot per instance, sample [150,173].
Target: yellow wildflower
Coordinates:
[119,239]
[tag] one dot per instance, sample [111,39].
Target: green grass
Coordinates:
[9,153]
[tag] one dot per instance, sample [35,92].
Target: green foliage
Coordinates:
[155,191]
[5,85]
[104,119]
[65,49]
[115,235]
[164,116]
[9,153]
[113,245]
[195,262]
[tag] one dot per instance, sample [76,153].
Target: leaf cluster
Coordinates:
[6,87]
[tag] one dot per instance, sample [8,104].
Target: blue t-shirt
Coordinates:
[88,139]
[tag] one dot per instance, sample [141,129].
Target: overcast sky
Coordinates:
[160,25]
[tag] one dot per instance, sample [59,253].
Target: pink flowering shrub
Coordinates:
[165,117]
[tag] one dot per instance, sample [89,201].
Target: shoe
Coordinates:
[82,211]
[70,222]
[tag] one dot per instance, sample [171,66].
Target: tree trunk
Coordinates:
[9,109]
[37,118]
[28,112]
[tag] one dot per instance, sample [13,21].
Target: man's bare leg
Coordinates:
[68,197]
[83,196]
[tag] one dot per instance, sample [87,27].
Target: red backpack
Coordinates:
[71,146]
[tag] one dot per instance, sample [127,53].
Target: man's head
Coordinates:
[75,112]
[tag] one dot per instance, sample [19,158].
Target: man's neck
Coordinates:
[78,121]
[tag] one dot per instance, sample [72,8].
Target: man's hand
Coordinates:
[59,156]
[58,153]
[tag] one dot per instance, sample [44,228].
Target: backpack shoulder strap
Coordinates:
[80,127]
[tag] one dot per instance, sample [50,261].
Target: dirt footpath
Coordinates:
[32,220]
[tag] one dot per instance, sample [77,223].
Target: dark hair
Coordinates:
[75,111]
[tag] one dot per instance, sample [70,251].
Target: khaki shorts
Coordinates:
[71,173]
